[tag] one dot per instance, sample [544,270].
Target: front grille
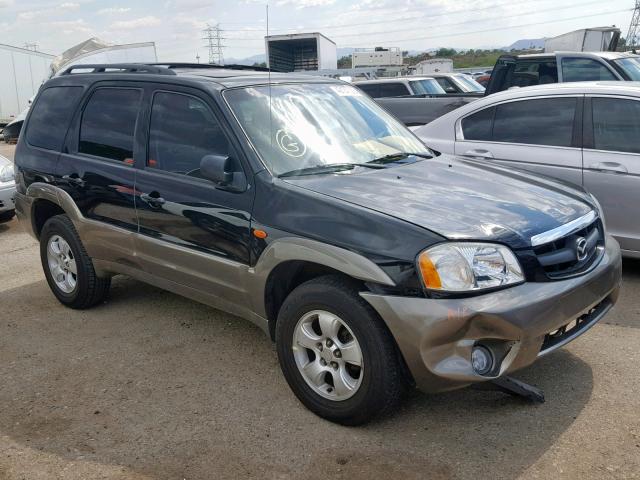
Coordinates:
[575,328]
[573,253]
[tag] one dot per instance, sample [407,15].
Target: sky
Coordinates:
[176,25]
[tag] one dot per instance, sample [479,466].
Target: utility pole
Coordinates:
[213,36]
[633,37]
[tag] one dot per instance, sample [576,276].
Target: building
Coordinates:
[23,71]
[433,65]
[376,57]
[300,52]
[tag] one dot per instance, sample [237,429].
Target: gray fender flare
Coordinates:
[303,249]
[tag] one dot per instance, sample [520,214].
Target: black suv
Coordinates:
[299,204]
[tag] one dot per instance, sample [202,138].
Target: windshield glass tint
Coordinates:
[426,87]
[470,84]
[631,66]
[318,124]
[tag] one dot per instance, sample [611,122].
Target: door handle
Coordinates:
[153,199]
[612,167]
[74,179]
[486,154]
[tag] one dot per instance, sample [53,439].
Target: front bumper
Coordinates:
[436,336]
[7,196]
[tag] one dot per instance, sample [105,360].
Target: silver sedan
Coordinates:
[7,190]
[585,133]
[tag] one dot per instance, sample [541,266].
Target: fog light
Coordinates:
[481,360]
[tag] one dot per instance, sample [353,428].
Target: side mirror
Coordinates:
[217,169]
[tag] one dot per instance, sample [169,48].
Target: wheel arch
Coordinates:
[47,201]
[291,261]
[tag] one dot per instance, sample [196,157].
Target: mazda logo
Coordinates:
[581,248]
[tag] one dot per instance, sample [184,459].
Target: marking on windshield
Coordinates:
[290,144]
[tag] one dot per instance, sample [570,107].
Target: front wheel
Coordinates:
[336,354]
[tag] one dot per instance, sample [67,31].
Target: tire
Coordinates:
[7,216]
[88,289]
[379,383]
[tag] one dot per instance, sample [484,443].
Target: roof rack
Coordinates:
[232,66]
[120,68]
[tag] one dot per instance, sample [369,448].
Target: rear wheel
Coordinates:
[336,354]
[67,267]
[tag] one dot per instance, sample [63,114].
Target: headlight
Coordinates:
[600,211]
[468,266]
[6,173]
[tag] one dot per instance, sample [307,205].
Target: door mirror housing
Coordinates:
[219,169]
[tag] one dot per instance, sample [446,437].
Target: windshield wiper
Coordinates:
[394,157]
[334,167]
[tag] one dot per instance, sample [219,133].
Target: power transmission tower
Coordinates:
[213,36]
[633,37]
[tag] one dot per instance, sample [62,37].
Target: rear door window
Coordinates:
[547,121]
[616,124]
[108,124]
[393,89]
[585,70]
[479,125]
[51,115]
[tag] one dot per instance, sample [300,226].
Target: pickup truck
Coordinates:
[559,67]
[417,110]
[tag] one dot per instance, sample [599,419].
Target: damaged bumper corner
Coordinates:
[518,324]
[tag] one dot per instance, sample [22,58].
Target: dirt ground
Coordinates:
[150,385]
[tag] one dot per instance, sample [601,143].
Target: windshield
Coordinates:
[429,86]
[631,66]
[470,84]
[318,124]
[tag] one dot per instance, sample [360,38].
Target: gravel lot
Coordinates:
[151,385]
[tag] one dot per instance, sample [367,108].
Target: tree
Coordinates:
[261,64]
[344,62]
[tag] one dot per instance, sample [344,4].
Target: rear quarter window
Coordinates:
[50,117]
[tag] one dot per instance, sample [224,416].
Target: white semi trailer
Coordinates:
[601,39]
[22,72]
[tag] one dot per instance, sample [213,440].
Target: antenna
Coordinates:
[269,80]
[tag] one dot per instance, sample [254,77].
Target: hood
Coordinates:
[459,199]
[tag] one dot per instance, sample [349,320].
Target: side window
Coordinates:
[547,121]
[108,124]
[584,69]
[51,116]
[371,89]
[527,73]
[393,89]
[447,84]
[616,124]
[478,126]
[182,131]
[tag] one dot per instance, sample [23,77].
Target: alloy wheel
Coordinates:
[328,355]
[62,264]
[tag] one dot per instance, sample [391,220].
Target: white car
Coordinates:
[585,133]
[400,86]
[7,190]
[455,83]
